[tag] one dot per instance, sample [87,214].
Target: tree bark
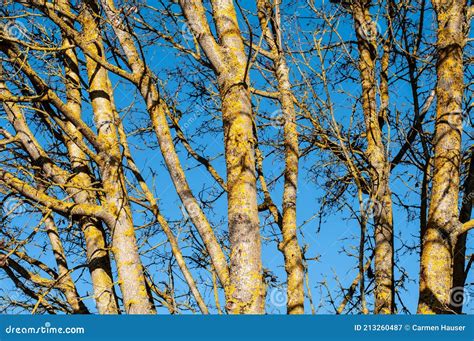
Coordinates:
[459,253]
[66,282]
[124,243]
[436,277]
[157,109]
[94,235]
[246,292]
[378,161]
[96,247]
[269,14]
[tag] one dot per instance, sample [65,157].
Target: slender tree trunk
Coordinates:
[436,277]
[124,243]
[378,162]
[290,246]
[66,282]
[96,248]
[157,109]
[269,17]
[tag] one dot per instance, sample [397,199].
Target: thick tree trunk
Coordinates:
[246,285]
[459,260]
[436,277]
[246,292]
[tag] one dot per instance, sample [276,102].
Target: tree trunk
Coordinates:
[378,162]
[69,287]
[246,283]
[246,292]
[97,255]
[96,247]
[459,260]
[124,243]
[436,277]
[246,286]
[289,246]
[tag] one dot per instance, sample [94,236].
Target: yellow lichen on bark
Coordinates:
[378,161]
[125,250]
[436,268]
[289,246]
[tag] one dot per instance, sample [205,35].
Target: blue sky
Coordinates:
[338,229]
